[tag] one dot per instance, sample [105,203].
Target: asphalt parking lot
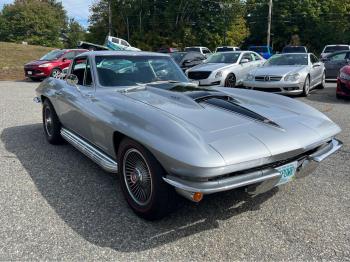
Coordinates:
[55,204]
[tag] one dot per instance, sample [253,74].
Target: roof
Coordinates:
[122,53]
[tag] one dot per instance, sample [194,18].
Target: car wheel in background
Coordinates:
[140,176]
[323,82]
[306,88]
[230,80]
[55,72]
[51,123]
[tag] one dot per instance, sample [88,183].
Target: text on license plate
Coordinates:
[29,72]
[287,172]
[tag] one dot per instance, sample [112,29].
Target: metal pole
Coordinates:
[269,24]
[109,19]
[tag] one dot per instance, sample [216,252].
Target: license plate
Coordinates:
[29,72]
[287,172]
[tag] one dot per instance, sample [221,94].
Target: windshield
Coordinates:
[133,70]
[288,59]
[53,55]
[225,49]
[227,58]
[178,56]
[294,49]
[195,49]
[259,49]
[331,49]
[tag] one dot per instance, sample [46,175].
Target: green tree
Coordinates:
[38,22]
[74,33]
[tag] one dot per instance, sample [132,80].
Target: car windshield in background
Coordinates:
[194,49]
[178,56]
[224,49]
[288,59]
[331,49]
[53,55]
[294,49]
[133,70]
[227,58]
[259,49]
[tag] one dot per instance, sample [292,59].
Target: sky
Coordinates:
[77,9]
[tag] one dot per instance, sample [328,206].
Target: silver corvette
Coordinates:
[292,74]
[137,114]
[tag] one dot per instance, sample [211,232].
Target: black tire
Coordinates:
[306,87]
[51,124]
[34,79]
[323,82]
[55,72]
[143,173]
[338,96]
[230,80]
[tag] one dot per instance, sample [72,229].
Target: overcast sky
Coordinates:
[77,9]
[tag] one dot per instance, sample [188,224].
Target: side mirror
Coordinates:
[64,59]
[244,61]
[72,80]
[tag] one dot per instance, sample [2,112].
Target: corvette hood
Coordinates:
[209,67]
[277,70]
[241,128]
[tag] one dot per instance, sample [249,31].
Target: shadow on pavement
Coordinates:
[90,201]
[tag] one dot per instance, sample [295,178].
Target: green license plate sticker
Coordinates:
[287,172]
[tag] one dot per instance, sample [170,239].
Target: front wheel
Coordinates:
[51,123]
[55,72]
[230,80]
[141,180]
[306,88]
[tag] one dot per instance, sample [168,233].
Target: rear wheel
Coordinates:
[322,85]
[141,180]
[51,123]
[230,80]
[306,88]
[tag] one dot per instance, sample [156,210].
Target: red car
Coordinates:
[343,82]
[51,64]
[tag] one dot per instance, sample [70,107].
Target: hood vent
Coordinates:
[229,104]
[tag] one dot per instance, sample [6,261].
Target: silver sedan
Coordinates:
[288,74]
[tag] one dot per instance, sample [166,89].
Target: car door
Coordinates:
[316,70]
[75,100]
[67,59]
[334,62]
[244,68]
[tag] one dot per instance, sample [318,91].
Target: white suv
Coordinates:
[201,49]
[227,49]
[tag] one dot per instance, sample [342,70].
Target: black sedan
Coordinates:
[187,60]
[334,62]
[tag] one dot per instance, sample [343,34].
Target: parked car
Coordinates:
[291,74]
[226,69]
[328,49]
[187,60]
[168,50]
[227,49]
[161,133]
[265,51]
[51,64]
[294,49]
[201,49]
[343,82]
[334,62]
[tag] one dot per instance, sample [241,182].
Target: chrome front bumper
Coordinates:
[262,180]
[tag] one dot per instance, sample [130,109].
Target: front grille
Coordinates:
[198,75]
[268,89]
[344,88]
[268,78]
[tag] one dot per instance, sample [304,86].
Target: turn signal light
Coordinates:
[197,196]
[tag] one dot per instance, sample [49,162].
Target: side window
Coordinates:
[256,57]
[69,55]
[206,51]
[347,56]
[247,56]
[81,68]
[338,57]
[314,59]
[124,43]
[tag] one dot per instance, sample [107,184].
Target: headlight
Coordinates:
[292,77]
[250,77]
[45,65]
[344,76]
[218,74]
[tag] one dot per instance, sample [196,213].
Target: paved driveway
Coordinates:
[56,204]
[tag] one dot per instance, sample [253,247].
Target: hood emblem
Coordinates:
[267,78]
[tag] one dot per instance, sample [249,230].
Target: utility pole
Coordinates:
[269,24]
[109,18]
